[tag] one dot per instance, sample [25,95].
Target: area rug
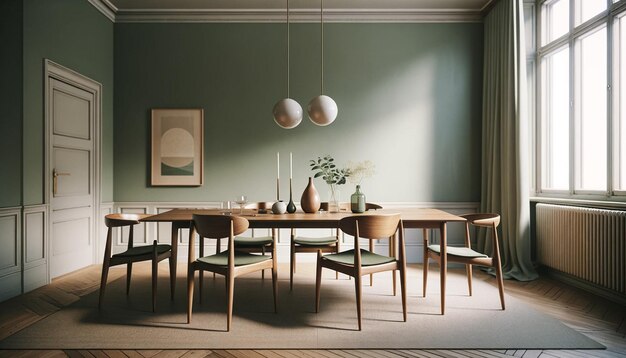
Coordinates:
[475,322]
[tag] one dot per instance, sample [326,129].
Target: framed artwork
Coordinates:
[177,147]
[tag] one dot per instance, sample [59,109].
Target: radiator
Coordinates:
[587,243]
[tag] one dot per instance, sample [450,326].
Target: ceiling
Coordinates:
[300,10]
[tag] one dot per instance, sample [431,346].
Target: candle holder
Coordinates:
[291,207]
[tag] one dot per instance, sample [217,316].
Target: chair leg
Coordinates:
[403,291]
[500,284]
[200,285]
[217,251]
[190,283]
[275,287]
[425,269]
[393,280]
[172,260]
[129,271]
[468,268]
[263,271]
[292,263]
[357,288]
[230,293]
[371,243]
[103,282]
[155,273]
[318,281]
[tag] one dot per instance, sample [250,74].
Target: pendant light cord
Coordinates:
[322,44]
[287,48]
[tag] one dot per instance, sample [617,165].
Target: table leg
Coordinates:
[174,257]
[443,264]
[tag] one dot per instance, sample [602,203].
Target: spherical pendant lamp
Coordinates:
[322,109]
[287,112]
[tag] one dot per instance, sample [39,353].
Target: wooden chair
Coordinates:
[229,263]
[466,255]
[256,243]
[359,262]
[155,253]
[327,244]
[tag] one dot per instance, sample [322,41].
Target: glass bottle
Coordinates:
[357,201]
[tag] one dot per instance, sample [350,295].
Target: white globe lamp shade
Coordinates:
[322,110]
[287,113]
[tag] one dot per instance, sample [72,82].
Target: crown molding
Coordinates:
[105,7]
[279,16]
[301,15]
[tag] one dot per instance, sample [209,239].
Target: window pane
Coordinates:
[592,149]
[621,137]
[555,127]
[589,9]
[529,27]
[556,16]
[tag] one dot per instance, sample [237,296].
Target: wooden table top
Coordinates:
[411,217]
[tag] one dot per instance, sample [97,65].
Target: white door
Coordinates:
[71,119]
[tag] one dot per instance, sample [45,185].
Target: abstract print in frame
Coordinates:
[177,147]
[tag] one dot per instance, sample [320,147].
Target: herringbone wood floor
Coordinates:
[598,318]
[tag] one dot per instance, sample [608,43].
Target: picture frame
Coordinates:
[177,151]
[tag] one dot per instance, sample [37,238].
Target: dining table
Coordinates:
[413,218]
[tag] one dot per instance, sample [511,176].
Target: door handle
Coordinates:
[55,176]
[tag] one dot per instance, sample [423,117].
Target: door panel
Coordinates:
[72,168]
[72,158]
[72,245]
[69,111]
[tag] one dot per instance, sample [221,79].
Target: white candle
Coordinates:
[277,165]
[290,165]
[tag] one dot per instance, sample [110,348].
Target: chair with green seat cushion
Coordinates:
[256,243]
[328,244]
[155,253]
[359,262]
[466,255]
[229,263]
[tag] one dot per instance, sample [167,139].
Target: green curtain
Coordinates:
[505,188]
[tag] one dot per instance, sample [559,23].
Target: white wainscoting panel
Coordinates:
[11,253]
[36,249]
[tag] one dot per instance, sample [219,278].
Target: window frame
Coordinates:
[608,18]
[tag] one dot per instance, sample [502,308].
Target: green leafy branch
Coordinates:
[327,169]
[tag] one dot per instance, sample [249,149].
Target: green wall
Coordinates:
[11,103]
[409,98]
[74,34]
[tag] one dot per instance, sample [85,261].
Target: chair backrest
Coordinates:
[483,219]
[346,206]
[342,206]
[261,205]
[218,226]
[379,226]
[117,220]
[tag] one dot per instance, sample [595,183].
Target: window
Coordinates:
[589,9]
[591,112]
[581,82]
[555,129]
[555,15]
[619,137]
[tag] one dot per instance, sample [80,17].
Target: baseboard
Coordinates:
[584,285]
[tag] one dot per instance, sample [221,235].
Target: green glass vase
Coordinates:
[357,201]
